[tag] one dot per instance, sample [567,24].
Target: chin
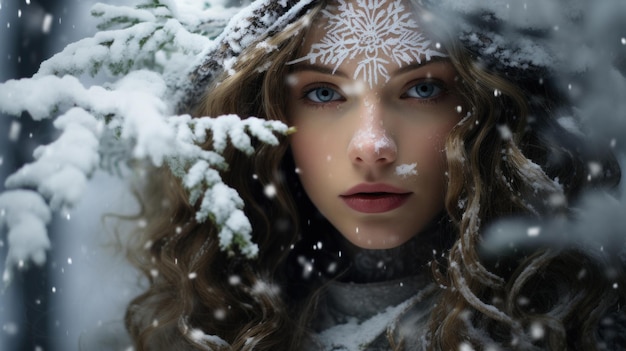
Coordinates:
[373,241]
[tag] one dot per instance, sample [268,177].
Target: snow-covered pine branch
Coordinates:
[145,50]
[61,169]
[158,35]
[199,170]
[25,214]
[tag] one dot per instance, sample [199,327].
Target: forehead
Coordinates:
[357,18]
[373,33]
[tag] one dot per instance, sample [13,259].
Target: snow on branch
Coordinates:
[26,215]
[61,169]
[149,36]
[138,56]
[199,170]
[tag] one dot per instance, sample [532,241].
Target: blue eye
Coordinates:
[424,90]
[323,94]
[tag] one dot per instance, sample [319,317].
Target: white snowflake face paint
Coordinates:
[358,143]
[372,32]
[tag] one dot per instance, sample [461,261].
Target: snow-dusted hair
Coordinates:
[500,163]
[240,303]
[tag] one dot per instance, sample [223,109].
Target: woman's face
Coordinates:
[373,101]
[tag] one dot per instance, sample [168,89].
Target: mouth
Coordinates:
[374,198]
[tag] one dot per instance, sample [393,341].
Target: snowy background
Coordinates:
[64,278]
[83,284]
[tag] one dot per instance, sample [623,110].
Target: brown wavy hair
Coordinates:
[201,298]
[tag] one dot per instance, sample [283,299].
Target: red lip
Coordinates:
[374,198]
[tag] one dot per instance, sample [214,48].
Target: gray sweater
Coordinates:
[365,316]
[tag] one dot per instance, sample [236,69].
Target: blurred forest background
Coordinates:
[80,288]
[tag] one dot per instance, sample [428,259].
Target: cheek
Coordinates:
[438,157]
[314,162]
[426,145]
[438,153]
[439,142]
[313,154]
[305,148]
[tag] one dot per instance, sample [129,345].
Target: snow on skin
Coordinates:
[369,134]
[363,137]
[405,170]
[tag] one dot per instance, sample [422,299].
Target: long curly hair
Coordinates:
[502,159]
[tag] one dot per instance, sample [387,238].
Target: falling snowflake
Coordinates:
[374,30]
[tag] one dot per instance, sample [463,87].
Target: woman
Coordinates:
[406,149]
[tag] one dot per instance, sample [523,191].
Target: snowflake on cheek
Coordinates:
[375,31]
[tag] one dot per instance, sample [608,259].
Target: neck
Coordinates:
[324,254]
[408,259]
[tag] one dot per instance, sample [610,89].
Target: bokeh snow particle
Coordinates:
[505,132]
[219,314]
[234,280]
[10,328]
[537,330]
[270,191]
[534,231]
[46,23]
[14,131]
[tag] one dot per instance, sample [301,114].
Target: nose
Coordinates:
[371,143]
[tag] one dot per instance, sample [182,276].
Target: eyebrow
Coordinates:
[417,65]
[300,67]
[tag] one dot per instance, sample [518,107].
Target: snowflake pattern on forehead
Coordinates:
[374,29]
